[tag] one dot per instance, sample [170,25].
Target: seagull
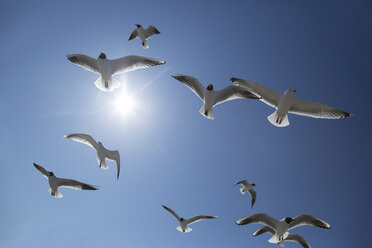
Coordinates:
[102,152]
[56,182]
[143,34]
[291,237]
[285,104]
[212,98]
[248,187]
[281,227]
[184,222]
[107,68]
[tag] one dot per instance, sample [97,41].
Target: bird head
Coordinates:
[210,87]
[288,220]
[102,56]
[138,25]
[253,184]
[182,219]
[289,92]
[50,174]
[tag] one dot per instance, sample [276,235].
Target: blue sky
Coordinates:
[170,153]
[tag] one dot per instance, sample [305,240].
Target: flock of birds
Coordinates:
[241,89]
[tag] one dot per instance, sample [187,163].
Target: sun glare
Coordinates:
[124,103]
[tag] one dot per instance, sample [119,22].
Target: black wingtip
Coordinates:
[233,79]
[347,115]
[89,187]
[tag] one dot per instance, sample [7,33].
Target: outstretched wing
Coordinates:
[133,62]
[253,195]
[306,219]
[41,169]
[84,61]
[263,230]
[192,83]
[115,156]
[242,182]
[316,110]
[172,212]
[73,184]
[199,218]
[299,239]
[267,95]
[150,30]
[259,218]
[83,138]
[133,35]
[233,92]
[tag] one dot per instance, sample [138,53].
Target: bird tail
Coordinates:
[56,193]
[207,113]
[102,164]
[243,191]
[188,229]
[278,121]
[109,85]
[145,45]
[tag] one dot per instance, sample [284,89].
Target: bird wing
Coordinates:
[192,83]
[263,230]
[172,212]
[88,63]
[267,95]
[316,110]
[199,218]
[233,92]
[150,30]
[133,62]
[133,35]
[115,156]
[242,182]
[83,138]
[73,184]
[299,239]
[42,170]
[253,195]
[259,218]
[306,219]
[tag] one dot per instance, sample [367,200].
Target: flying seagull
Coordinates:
[56,182]
[285,104]
[143,34]
[291,237]
[102,152]
[210,97]
[281,227]
[108,68]
[248,187]
[184,222]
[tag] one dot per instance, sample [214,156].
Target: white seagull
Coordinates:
[102,152]
[184,222]
[291,237]
[56,182]
[212,98]
[248,187]
[285,104]
[108,68]
[143,34]
[281,227]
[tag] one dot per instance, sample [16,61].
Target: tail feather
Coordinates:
[278,121]
[145,45]
[207,113]
[188,229]
[107,85]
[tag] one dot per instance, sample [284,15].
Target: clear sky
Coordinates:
[170,154]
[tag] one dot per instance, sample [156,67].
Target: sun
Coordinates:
[124,103]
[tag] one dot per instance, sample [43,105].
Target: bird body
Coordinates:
[183,227]
[108,68]
[143,34]
[287,104]
[248,187]
[56,182]
[102,152]
[280,228]
[210,97]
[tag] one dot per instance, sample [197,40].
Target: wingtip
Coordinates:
[347,115]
